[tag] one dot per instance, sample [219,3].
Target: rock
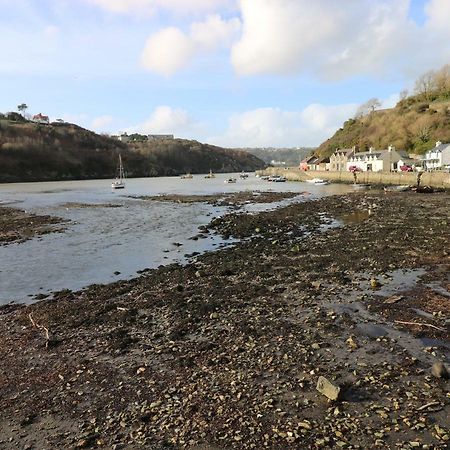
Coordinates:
[439,370]
[393,299]
[351,343]
[328,389]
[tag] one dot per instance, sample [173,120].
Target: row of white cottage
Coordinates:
[389,160]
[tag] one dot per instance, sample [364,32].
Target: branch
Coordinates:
[40,327]
[420,324]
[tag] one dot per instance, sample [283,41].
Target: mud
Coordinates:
[18,226]
[226,351]
[235,200]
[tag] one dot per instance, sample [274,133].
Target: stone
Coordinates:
[327,388]
[439,370]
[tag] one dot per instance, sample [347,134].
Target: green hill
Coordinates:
[61,151]
[413,125]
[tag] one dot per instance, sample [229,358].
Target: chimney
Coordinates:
[438,143]
[390,148]
[370,149]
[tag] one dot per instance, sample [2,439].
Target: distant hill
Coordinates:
[61,151]
[414,124]
[176,156]
[290,156]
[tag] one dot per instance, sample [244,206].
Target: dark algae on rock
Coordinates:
[226,352]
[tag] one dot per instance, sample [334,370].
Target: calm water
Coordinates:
[100,241]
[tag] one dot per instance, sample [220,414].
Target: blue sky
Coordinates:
[229,72]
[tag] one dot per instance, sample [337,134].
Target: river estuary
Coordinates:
[117,235]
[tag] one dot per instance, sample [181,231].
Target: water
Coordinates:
[102,240]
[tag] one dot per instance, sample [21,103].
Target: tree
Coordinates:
[426,84]
[403,94]
[22,108]
[442,79]
[367,107]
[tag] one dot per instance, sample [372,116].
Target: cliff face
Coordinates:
[32,152]
[413,125]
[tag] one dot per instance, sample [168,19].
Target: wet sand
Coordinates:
[226,352]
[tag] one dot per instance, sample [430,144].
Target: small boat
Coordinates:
[277,179]
[361,186]
[210,175]
[186,176]
[399,188]
[119,182]
[244,175]
[317,181]
[230,180]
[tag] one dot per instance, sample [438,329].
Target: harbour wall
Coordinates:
[434,179]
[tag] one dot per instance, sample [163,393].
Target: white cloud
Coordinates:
[151,6]
[274,127]
[167,51]
[168,120]
[288,36]
[102,122]
[170,49]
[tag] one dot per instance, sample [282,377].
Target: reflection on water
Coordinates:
[355,217]
[103,240]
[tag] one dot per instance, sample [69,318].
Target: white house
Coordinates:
[438,157]
[124,138]
[376,160]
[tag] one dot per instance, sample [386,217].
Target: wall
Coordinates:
[434,179]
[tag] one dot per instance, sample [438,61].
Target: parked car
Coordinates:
[355,169]
[406,169]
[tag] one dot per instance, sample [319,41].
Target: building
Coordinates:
[324,163]
[339,159]
[377,160]
[124,138]
[438,157]
[310,163]
[40,118]
[158,137]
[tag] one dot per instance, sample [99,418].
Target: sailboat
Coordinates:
[119,182]
[210,175]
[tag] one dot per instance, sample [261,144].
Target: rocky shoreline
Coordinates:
[227,351]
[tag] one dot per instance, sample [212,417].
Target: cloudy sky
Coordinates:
[229,72]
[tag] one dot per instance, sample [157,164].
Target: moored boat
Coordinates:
[119,182]
[317,181]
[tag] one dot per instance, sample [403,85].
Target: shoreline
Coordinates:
[226,351]
[437,179]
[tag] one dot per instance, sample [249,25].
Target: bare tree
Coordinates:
[442,79]
[426,84]
[404,94]
[367,107]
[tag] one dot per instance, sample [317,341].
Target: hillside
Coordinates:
[290,156]
[176,156]
[33,152]
[414,125]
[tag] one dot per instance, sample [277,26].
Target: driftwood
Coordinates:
[428,405]
[421,324]
[40,327]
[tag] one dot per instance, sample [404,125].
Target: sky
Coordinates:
[235,73]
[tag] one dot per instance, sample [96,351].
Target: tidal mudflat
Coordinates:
[313,331]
